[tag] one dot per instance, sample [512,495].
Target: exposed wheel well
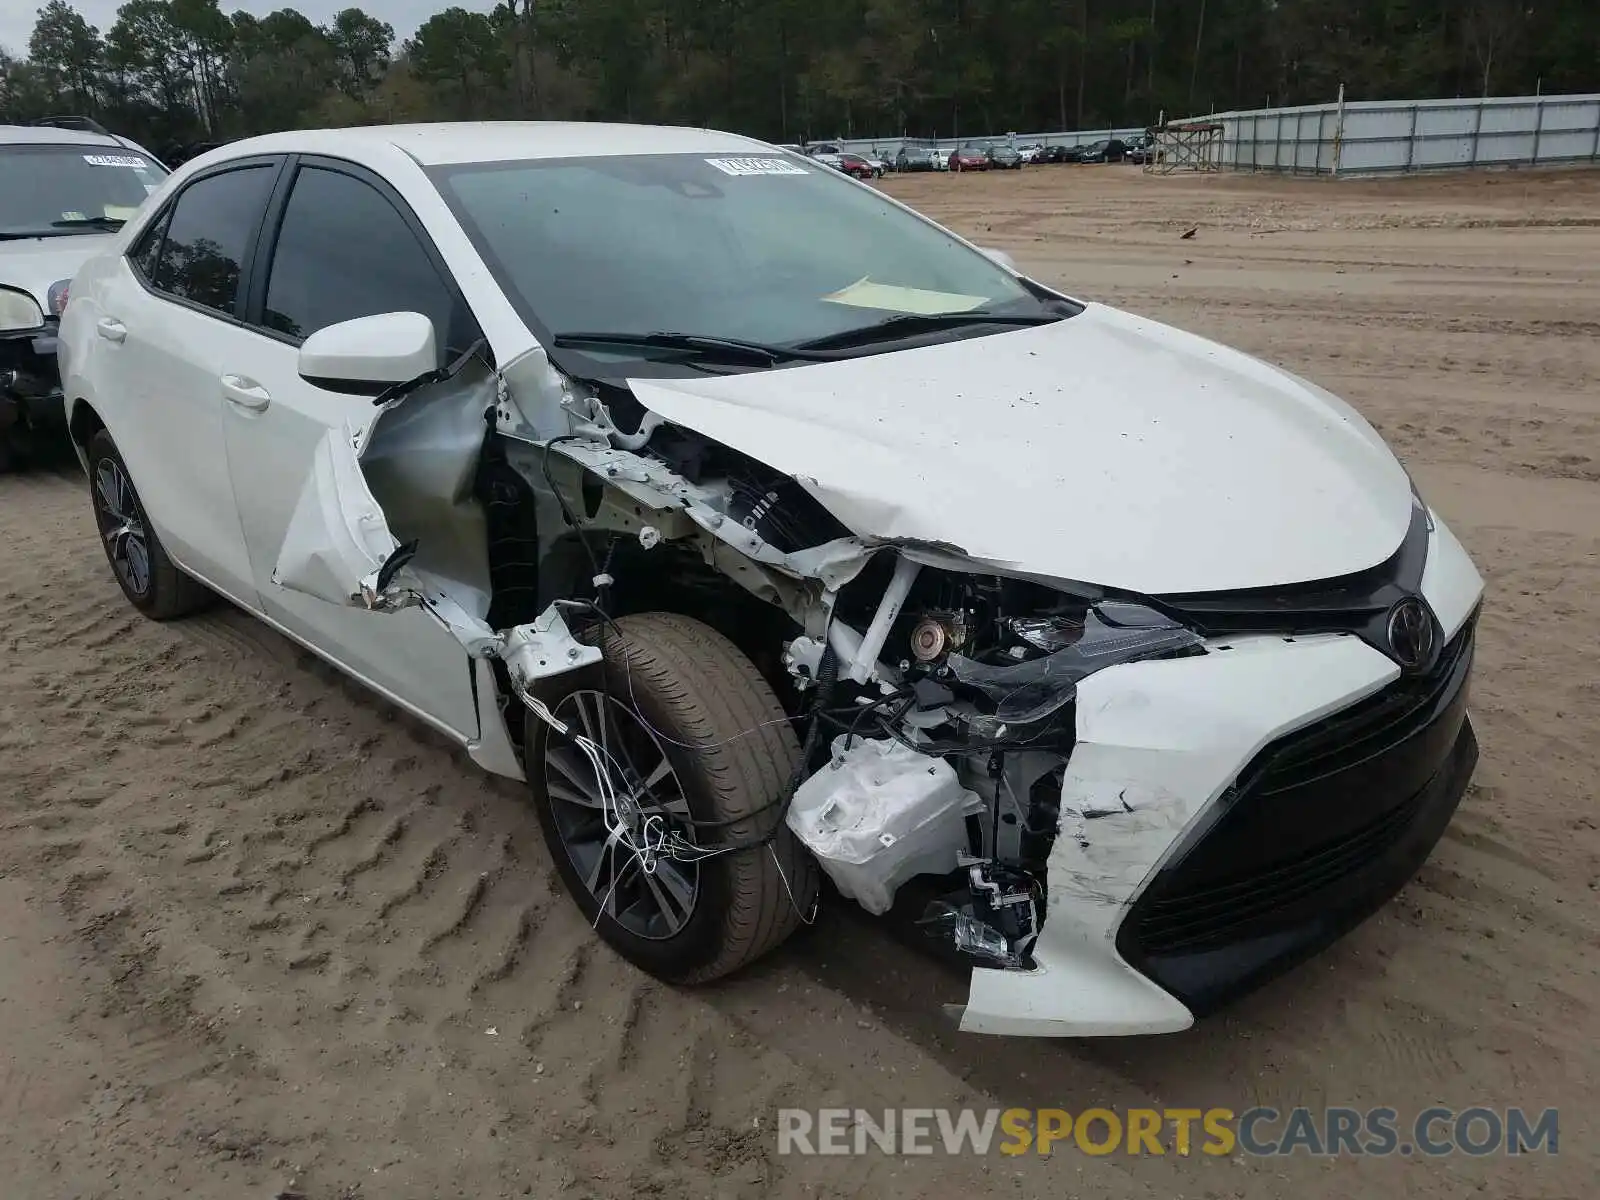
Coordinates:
[84,424]
[673,578]
[528,573]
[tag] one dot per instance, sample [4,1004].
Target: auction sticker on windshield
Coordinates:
[114,160]
[757,166]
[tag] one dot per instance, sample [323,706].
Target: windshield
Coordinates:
[61,190]
[758,248]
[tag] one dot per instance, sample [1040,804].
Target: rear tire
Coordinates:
[726,782]
[148,578]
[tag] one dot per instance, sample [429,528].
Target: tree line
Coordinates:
[179,71]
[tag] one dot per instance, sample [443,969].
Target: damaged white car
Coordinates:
[775,534]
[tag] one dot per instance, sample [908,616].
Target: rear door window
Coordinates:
[212,227]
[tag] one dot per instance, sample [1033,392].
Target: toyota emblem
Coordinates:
[1410,631]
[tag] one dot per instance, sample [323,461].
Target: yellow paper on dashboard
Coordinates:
[888,297]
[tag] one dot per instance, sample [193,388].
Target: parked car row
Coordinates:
[977,156]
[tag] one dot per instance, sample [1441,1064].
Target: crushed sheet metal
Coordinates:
[337,535]
[472,631]
[420,461]
[338,541]
[953,440]
[1158,742]
[653,483]
[536,401]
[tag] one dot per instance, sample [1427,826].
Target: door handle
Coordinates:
[245,393]
[112,330]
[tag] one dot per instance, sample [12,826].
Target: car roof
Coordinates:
[49,135]
[444,143]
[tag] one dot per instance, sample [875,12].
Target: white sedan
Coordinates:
[773,533]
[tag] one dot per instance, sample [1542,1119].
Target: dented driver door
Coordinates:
[343,247]
[314,531]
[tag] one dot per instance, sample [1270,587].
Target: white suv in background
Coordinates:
[62,192]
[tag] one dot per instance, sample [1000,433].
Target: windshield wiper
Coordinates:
[89,223]
[911,324]
[694,345]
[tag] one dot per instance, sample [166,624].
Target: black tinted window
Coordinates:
[212,226]
[143,254]
[344,252]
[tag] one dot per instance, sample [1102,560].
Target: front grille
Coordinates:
[1358,603]
[1364,731]
[1204,917]
[1322,827]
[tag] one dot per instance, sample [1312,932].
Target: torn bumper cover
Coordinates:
[1225,816]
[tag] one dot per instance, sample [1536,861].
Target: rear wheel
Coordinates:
[148,578]
[700,756]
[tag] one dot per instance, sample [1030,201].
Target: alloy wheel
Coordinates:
[122,526]
[649,894]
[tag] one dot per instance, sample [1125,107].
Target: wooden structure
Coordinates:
[1186,146]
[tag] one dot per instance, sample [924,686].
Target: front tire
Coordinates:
[697,740]
[148,578]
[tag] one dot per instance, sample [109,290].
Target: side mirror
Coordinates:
[1001,258]
[369,354]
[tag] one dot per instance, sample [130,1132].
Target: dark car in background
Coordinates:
[915,158]
[175,154]
[1005,158]
[970,158]
[1105,150]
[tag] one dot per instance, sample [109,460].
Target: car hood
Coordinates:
[33,264]
[1104,448]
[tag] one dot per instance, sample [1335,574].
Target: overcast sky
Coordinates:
[17,16]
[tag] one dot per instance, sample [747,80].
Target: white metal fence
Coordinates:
[1381,136]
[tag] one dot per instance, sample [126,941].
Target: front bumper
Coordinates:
[1226,816]
[30,383]
[1250,894]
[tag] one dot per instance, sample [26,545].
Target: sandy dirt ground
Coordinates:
[260,934]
